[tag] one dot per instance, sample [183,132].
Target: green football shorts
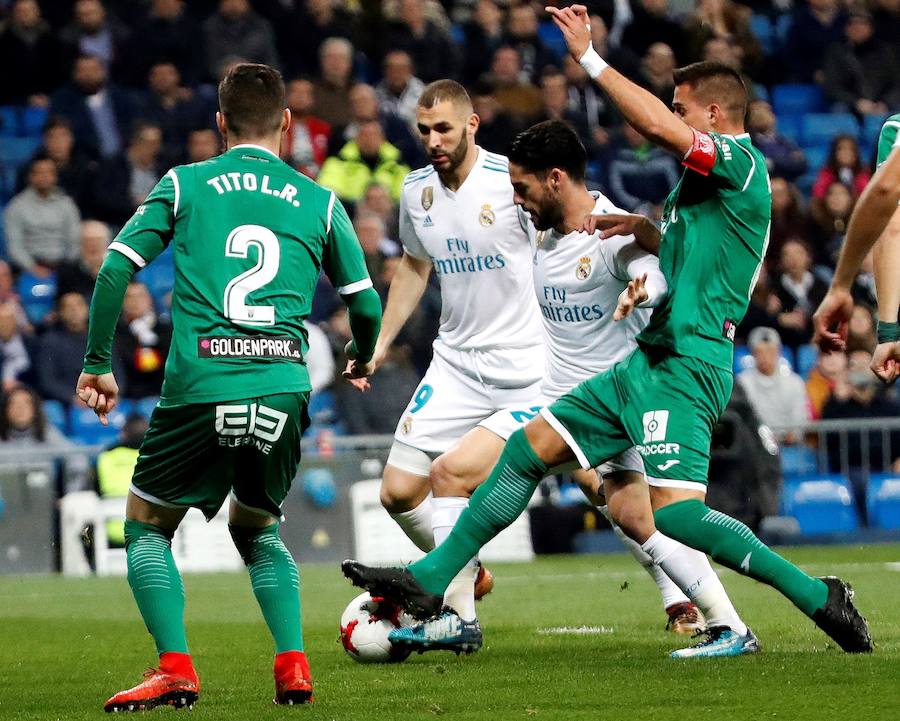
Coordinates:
[663,404]
[194,454]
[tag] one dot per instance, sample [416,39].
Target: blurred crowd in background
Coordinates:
[99,99]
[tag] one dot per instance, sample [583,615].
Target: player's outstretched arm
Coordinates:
[876,205]
[646,235]
[364,309]
[643,110]
[886,359]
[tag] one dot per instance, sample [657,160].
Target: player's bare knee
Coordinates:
[402,491]
[448,479]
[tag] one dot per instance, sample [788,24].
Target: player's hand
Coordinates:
[357,373]
[100,392]
[886,362]
[831,321]
[631,297]
[610,224]
[575,26]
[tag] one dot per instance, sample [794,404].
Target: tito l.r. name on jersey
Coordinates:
[478,242]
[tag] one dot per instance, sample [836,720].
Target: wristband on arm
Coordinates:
[888,332]
[592,62]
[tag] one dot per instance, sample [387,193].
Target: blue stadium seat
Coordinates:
[55,413]
[145,406]
[816,155]
[807,355]
[821,504]
[37,294]
[821,128]
[18,151]
[742,358]
[159,277]
[32,122]
[797,99]
[551,36]
[798,461]
[322,408]
[789,126]
[85,427]
[883,501]
[9,121]
[458,35]
[761,26]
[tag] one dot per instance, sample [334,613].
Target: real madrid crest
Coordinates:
[407,425]
[583,269]
[427,197]
[486,217]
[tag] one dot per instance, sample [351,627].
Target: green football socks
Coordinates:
[734,545]
[496,504]
[275,581]
[156,584]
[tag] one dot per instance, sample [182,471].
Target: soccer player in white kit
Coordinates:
[594,296]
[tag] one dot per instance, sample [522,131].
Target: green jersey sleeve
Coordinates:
[150,229]
[889,138]
[343,259]
[722,159]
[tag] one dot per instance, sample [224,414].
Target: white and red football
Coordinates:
[365,625]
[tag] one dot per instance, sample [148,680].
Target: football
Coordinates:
[365,625]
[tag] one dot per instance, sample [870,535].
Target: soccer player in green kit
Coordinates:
[250,237]
[666,396]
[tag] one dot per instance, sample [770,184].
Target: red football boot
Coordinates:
[484,583]
[293,681]
[174,683]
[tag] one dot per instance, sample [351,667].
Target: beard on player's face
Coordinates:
[545,212]
[450,160]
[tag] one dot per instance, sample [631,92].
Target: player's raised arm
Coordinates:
[641,109]
[646,235]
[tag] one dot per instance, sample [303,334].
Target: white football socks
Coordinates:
[460,594]
[416,524]
[671,594]
[694,574]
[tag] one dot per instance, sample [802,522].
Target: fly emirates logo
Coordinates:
[460,260]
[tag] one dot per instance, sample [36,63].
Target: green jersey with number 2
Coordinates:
[715,230]
[249,236]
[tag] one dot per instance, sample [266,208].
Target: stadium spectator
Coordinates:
[651,24]
[332,89]
[23,426]
[318,357]
[516,95]
[863,288]
[80,274]
[639,172]
[377,200]
[433,53]
[30,55]
[124,181]
[784,158]
[100,113]
[75,169]
[619,56]
[777,394]
[816,25]
[41,222]
[202,144]
[399,91]
[829,224]
[860,71]
[61,350]
[15,359]
[522,34]
[723,20]
[364,108]
[141,343]
[168,34]
[305,144]
[236,32]
[173,107]
[886,17]
[302,32]
[483,35]
[8,294]
[763,308]
[555,94]
[656,71]
[861,330]
[828,371]
[497,127]
[799,290]
[789,218]
[376,245]
[367,159]
[844,165]
[93,32]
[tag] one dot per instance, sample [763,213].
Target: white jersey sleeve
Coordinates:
[630,261]
[408,238]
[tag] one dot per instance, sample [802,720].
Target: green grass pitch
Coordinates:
[67,645]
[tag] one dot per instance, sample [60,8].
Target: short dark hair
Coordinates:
[252,99]
[715,82]
[56,121]
[547,145]
[441,90]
